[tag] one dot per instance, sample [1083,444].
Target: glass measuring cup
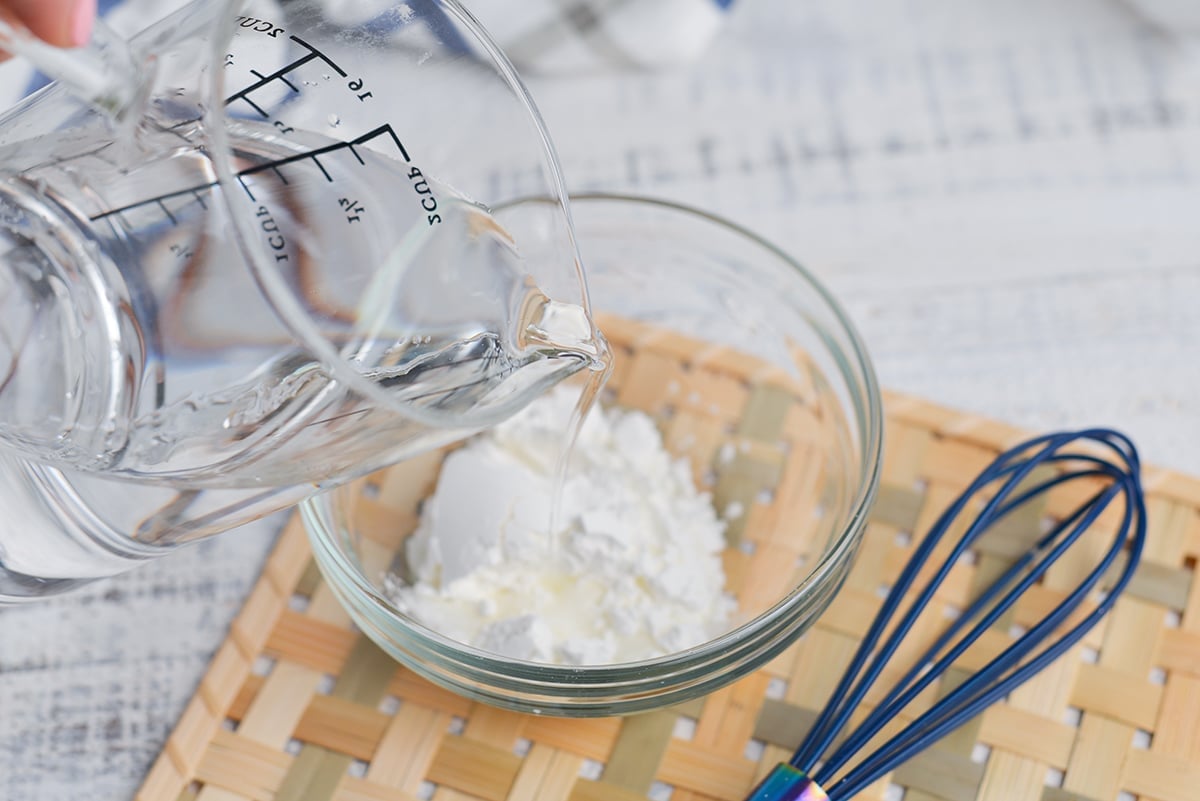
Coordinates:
[248,258]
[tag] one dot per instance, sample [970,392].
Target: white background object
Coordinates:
[1178,16]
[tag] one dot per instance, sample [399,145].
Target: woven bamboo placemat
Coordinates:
[298,705]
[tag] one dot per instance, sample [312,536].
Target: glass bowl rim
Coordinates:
[317,520]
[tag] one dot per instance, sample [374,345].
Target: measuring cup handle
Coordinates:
[102,73]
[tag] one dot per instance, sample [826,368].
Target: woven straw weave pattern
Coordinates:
[298,705]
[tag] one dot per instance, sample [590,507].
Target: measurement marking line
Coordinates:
[292,159]
[321,151]
[282,78]
[321,167]
[284,70]
[279,175]
[167,212]
[318,54]
[200,199]
[168,196]
[254,106]
[383,129]
[246,188]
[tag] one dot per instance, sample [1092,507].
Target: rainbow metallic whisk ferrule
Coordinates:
[787,783]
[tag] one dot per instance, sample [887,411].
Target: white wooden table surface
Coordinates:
[1004,193]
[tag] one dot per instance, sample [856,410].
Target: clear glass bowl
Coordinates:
[676,278]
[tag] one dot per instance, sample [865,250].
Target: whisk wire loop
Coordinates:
[844,699]
[848,695]
[925,670]
[977,693]
[1030,652]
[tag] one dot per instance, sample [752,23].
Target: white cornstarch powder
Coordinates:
[633,571]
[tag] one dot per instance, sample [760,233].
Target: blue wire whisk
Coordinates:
[1004,486]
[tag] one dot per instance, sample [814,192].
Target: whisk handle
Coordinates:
[787,783]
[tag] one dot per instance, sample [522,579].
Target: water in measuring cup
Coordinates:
[135,346]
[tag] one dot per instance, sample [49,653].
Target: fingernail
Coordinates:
[83,14]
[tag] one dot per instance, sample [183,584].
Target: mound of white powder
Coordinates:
[634,570]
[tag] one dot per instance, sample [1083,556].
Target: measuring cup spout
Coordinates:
[102,73]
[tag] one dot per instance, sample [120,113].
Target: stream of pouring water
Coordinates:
[589,395]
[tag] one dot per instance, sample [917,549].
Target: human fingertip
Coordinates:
[82,18]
